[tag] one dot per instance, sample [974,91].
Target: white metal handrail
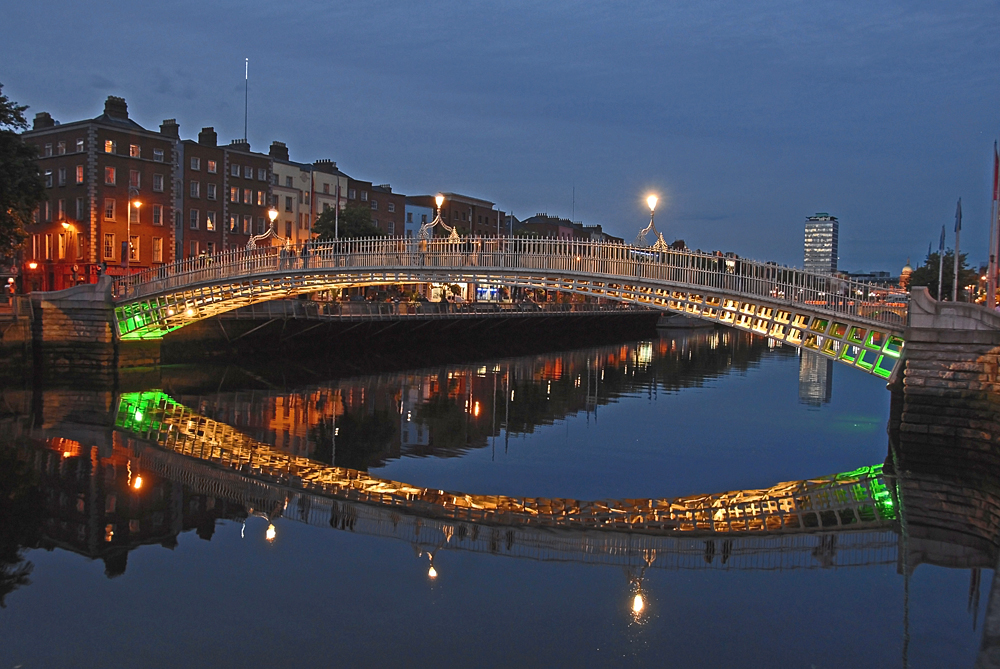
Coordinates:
[612,263]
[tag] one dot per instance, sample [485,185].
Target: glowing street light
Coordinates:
[271,533]
[651,201]
[128,226]
[272,214]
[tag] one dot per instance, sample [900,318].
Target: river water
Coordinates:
[171,522]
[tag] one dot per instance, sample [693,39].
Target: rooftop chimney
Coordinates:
[116,107]
[325,165]
[43,120]
[208,137]
[278,150]
[386,187]
[239,145]
[169,128]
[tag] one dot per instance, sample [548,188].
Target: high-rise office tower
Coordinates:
[821,244]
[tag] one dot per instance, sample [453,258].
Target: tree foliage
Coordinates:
[928,274]
[21,185]
[354,221]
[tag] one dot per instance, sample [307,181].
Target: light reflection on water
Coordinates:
[684,415]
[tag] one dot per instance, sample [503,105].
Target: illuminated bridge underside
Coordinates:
[854,501]
[860,331]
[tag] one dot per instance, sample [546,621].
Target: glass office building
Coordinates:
[821,244]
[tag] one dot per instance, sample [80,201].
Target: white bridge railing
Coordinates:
[612,264]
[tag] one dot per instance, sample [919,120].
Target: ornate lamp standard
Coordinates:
[132,192]
[659,244]
[272,214]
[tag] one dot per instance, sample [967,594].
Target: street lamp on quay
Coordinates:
[133,192]
[272,214]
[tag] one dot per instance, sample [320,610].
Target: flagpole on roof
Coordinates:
[991,274]
[958,234]
[940,265]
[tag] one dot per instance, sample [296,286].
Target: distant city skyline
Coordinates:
[743,119]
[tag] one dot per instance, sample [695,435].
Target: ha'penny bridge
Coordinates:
[841,520]
[854,323]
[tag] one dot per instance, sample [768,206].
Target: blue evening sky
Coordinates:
[745,116]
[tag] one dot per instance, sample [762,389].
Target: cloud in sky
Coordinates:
[748,117]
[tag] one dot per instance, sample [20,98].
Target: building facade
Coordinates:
[96,171]
[821,244]
[470,215]
[543,225]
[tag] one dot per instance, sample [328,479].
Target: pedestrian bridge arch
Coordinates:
[851,322]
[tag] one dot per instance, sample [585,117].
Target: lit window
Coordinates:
[157,214]
[158,183]
[61,148]
[109,246]
[211,167]
[109,209]
[260,198]
[61,246]
[210,191]
[158,155]
[210,221]
[247,223]
[157,249]
[79,174]
[134,151]
[109,176]
[133,215]
[233,222]
[193,219]
[109,146]
[61,209]
[46,211]
[234,194]
[133,248]
[247,196]
[196,163]
[134,178]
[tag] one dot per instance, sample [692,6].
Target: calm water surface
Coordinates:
[180,571]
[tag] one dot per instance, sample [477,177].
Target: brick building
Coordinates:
[543,225]
[388,208]
[92,170]
[225,193]
[469,214]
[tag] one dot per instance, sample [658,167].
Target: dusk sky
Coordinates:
[745,117]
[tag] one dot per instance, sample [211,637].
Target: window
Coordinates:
[392,206]
[61,210]
[375,222]
[247,196]
[234,194]
[62,176]
[134,179]
[350,194]
[192,249]
[260,225]
[133,248]
[79,209]
[109,209]
[247,223]
[211,167]
[409,217]
[79,174]
[133,215]
[79,246]
[61,148]
[158,183]
[157,214]
[79,146]
[260,198]
[302,221]
[193,221]
[134,151]
[61,246]
[109,176]
[364,196]
[233,222]
[261,174]
[157,249]
[455,216]
[48,178]
[306,195]
[48,150]
[374,205]
[34,247]
[210,248]
[234,170]
[158,155]
[195,163]
[326,207]
[210,221]
[391,227]
[423,218]
[195,189]
[288,204]
[109,246]
[464,216]
[46,211]
[247,172]
[288,182]
[288,228]
[326,188]
[210,191]
[109,146]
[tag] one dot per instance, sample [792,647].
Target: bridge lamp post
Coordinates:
[272,214]
[651,201]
